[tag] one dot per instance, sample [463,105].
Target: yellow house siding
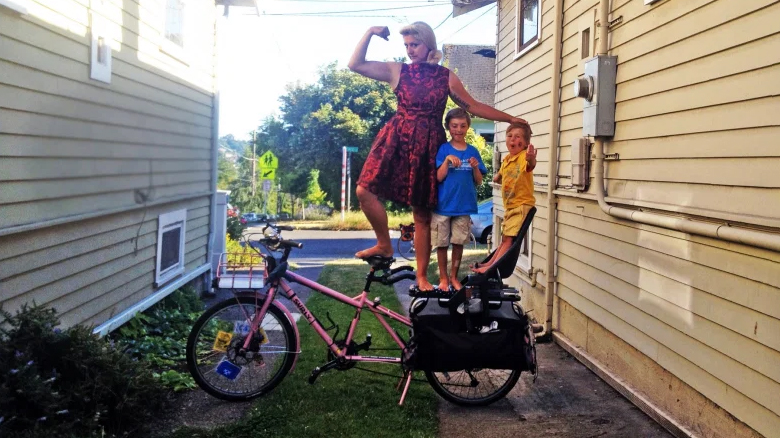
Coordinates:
[692,322]
[73,147]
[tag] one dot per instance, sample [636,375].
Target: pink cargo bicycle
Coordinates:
[243,347]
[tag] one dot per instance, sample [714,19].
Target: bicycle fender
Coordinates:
[290,318]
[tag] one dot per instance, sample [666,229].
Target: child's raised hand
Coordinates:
[473,162]
[530,154]
[454,160]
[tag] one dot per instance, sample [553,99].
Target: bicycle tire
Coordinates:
[474,396]
[203,359]
[406,249]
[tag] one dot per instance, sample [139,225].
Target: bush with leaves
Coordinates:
[158,337]
[235,228]
[65,383]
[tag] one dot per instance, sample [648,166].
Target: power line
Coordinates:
[469,23]
[349,12]
[442,22]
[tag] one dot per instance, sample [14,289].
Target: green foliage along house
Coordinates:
[107,153]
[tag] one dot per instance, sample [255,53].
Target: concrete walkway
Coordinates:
[567,400]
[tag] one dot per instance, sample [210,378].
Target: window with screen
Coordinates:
[174,22]
[171,230]
[529,25]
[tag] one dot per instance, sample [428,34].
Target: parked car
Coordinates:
[250,217]
[285,216]
[482,222]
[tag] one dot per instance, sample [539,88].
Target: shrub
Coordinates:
[64,383]
[158,337]
[234,228]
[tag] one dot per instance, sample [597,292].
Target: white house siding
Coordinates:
[693,323]
[73,152]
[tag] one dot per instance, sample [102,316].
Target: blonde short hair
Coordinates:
[525,128]
[424,33]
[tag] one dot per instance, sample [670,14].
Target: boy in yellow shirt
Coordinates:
[517,187]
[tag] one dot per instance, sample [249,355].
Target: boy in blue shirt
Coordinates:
[459,172]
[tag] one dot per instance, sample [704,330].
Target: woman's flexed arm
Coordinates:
[381,71]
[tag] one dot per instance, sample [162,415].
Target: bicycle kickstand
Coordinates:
[408,377]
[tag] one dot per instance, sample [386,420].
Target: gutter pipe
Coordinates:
[552,170]
[760,239]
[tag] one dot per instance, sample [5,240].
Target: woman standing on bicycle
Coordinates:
[401,165]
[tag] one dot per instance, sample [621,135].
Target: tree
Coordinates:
[340,109]
[314,193]
[230,142]
[227,173]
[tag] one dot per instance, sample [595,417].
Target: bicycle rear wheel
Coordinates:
[216,357]
[406,248]
[478,387]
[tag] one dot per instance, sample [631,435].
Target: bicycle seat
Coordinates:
[379,262]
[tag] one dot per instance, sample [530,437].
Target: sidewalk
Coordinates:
[567,400]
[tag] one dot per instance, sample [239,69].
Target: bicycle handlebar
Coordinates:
[398,276]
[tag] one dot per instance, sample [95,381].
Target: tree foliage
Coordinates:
[314,193]
[316,120]
[226,173]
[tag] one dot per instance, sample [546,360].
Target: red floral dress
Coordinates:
[401,165]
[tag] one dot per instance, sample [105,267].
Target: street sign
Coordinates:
[351,148]
[266,173]
[268,161]
[267,185]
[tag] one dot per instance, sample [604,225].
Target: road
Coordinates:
[320,246]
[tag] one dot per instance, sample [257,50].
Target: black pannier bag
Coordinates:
[446,341]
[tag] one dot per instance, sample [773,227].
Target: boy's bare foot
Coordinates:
[424,285]
[456,284]
[375,250]
[480,270]
[444,285]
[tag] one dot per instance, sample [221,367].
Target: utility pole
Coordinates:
[254,164]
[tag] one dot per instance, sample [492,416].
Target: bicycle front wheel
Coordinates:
[478,387]
[220,363]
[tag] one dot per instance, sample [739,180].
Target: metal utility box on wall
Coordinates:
[580,163]
[597,87]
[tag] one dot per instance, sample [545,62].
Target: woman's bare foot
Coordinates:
[455,283]
[424,285]
[444,285]
[375,250]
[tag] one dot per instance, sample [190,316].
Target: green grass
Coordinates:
[353,220]
[350,403]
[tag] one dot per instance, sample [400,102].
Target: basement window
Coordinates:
[528,26]
[524,261]
[171,229]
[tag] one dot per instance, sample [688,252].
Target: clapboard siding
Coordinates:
[696,130]
[72,147]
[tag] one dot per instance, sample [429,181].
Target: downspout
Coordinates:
[552,168]
[214,151]
[726,232]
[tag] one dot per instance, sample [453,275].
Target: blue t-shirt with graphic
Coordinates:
[457,193]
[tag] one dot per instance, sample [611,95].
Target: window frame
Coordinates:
[524,261]
[168,46]
[100,55]
[522,49]
[167,222]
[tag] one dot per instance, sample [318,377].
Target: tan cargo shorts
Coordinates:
[449,229]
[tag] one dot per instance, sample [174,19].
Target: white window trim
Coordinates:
[170,48]
[19,6]
[526,49]
[167,222]
[524,262]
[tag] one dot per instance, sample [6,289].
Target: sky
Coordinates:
[259,55]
